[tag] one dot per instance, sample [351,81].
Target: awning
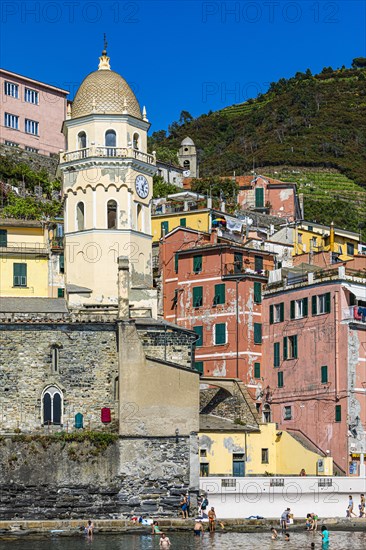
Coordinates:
[358,290]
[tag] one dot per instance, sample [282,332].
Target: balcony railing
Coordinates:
[238,268]
[107,152]
[354,313]
[57,243]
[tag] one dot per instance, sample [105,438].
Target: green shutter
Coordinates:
[20,274]
[276,354]
[280,379]
[197,296]
[257,293]
[257,333]
[313,305]
[324,374]
[197,264]
[62,263]
[285,352]
[292,309]
[271,315]
[257,370]
[259,197]
[258,263]
[176,262]
[3,237]
[79,421]
[294,346]
[199,366]
[282,312]
[183,222]
[60,292]
[164,228]
[327,302]
[220,333]
[219,297]
[338,413]
[305,307]
[199,332]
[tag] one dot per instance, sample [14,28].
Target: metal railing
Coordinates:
[107,152]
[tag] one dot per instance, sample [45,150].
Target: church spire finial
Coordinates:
[104,59]
[104,52]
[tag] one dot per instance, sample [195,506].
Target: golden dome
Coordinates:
[105,92]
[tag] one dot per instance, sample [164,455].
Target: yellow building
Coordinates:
[313,237]
[229,449]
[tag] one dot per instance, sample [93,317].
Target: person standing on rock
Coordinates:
[212,519]
[183,506]
[284,520]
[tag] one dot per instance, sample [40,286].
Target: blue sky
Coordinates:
[191,55]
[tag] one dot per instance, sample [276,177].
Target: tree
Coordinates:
[161,188]
[359,63]
[164,154]
[185,117]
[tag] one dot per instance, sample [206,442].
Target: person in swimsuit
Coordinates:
[284,519]
[89,528]
[274,533]
[198,528]
[350,511]
[164,541]
[212,519]
[155,529]
[325,537]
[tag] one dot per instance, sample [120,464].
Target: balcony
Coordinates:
[107,152]
[57,243]
[237,269]
[354,313]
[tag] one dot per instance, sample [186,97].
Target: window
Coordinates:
[11,89]
[280,379]
[257,293]
[257,370]
[79,421]
[164,228]
[257,333]
[199,331]
[55,357]
[20,275]
[320,304]
[197,264]
[112,214]
[197,296]
[199,366]
[290,347]
[276,354]
[299,238]
[324,374]
[204,469]
[116,388]
[31,149]
[136,141]
[110,141]
[299,308]
[11,121]
[183,222]
[259,197]
[220,333]
[238,262]
[258,264]
[277,313]
[287,413]
[203,453]
[238,465]
[313,242]
[350,249]
[265,457]
[338,413]
[267,413]
[60,293]
[52,406]
[31,96]
[62,263]
[186,165]
[80,216]
[219,297]
[176,262]
[3,237]
[11,144]
[31,127]
[81,140]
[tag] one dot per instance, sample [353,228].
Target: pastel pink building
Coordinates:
[314,364]
[31,114]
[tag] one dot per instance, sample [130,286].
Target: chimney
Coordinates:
[209,202]
[213,236]
[331,237]
[123,287]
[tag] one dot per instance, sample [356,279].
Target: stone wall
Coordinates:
[170,345]
[34,160]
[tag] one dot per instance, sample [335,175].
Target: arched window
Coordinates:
[81,140]
[52,406]
[186,165]
[112,214]
[139,217]
[136,141]
[80,216]
[266,413]
[110,142]
[55,357]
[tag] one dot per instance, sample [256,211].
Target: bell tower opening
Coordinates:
[112,214]
[110,142]
[80,216]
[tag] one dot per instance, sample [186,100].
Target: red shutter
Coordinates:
[106,415]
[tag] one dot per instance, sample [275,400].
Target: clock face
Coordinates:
[142,186]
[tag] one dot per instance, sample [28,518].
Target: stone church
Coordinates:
[99,360]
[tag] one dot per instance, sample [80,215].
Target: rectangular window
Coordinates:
[257,333]
[197,296]
[350,249]
[220,333]
[324,374]
[203,453]
[199,366]
[290,347]
[277,313]
[55,353]
[31,149]
[287,413]
[257,293]
[299,238]
[338,413]
[11,89]
[238,262]
[199,331]
[60,292]
[276,354]
[164,228]
[62,263]
[299,308]
[20,275]
[3,237]
[257,370]
[11,121]
[280,379]
[11,143]
[258,264]
[238,465]
[259,197]
[320,304]
[265,456]
[31,127]
[31,96]
[219,297]
[176,262]
[197,264]
[183,222]
[204,469]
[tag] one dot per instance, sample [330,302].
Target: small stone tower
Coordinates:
[187,156]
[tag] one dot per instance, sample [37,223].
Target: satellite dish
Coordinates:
[186,173]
